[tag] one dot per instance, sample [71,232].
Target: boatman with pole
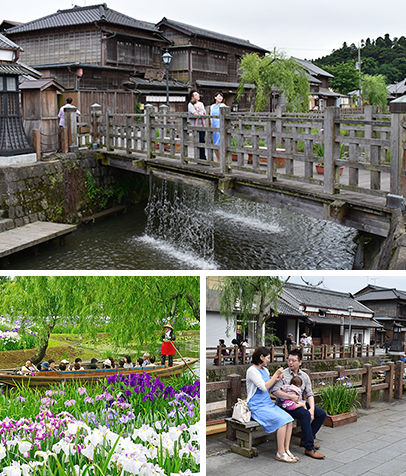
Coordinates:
[167,347]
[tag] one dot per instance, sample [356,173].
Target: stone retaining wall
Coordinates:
[60,190]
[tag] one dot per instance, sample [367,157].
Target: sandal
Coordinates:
[291,455]
[285,458]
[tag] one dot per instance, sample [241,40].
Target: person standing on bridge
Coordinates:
[61,114]
[196,108]
[215,122]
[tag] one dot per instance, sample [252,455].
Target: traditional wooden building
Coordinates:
[321,96]
[389,306]
[96,48]
[207,60]
[317,312]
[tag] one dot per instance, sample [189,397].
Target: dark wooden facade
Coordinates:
[207,60]
[91,48]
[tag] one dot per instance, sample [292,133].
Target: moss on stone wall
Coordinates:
[66,189]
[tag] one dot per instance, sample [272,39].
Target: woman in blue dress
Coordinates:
[215,111]
[263,409]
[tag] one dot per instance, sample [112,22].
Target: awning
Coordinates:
[336,321]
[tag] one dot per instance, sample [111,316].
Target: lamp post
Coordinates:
[350,309]
[166,58]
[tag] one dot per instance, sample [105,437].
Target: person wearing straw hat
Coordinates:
[167,347]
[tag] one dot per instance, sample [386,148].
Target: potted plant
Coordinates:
[318,149]
[339,401]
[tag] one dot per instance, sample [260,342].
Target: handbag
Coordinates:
[241,412]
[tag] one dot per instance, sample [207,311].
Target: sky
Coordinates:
[354,282]
[306,30]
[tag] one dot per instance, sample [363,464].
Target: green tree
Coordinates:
[134,306]
[274,72]
[374,91]
[346,77]
[247,298]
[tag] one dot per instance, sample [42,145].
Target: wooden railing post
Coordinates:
[149,130]
[398,390]
[235,354]
[388,392]
[219,355]
[225,139]
[272,349]
[285,353]
[184,135]
[109,127]
[397,157]
[95,110]
[36,142]
[233,393]
[331,150]
[340,371]
[367,383]
[71,126]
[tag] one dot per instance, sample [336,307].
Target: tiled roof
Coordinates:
[20,69]
[194,30]
[321,298]
[313,69]
[382,294]
[8,44]
[80,16]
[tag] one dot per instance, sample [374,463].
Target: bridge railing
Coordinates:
[278,145]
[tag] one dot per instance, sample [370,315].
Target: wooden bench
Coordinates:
[246,439]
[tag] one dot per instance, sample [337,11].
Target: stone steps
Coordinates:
[6,224]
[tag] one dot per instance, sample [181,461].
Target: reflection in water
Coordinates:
[192,227]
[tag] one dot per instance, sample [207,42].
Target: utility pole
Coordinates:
[359,74]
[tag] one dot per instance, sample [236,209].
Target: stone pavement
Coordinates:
[374,445]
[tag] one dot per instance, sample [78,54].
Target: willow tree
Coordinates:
[374,91]
[274,72]
[250,298]
[134,307]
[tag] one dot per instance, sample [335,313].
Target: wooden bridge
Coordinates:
[269,158]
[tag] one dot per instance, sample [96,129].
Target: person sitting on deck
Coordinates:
[113,364]
[62,367]
[28,368]
[45,367]
[152,361]
[127,362]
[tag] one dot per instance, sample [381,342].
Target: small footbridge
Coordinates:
[269,158]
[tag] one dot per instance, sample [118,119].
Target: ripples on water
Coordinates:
[195,228]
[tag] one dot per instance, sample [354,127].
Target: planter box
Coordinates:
[338,420]
[320,169]
[280,161]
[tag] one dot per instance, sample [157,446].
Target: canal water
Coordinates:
[192,226]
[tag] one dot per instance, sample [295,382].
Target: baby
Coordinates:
[294,389]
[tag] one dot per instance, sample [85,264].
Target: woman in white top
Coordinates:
[263,409]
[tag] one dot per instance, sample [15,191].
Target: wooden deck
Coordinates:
[33,234]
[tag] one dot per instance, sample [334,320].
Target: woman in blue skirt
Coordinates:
[263,409]
[215,122]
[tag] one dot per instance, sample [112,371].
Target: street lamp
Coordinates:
[167,58]
[350,309]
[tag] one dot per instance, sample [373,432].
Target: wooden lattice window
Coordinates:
[143,54]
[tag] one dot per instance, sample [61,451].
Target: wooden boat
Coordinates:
[45,379]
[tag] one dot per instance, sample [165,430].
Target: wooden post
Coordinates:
[272,349]
[128,144]
[388,392]
[331,150]
[71,126]
[235,354]
[398,139]
[233,393]
[219,355]
[367,383]
[270,150]
[96,112]
[64,140]
[149,130]
[340,371]
[399,366]
[285,353]
[36,140]
[183,122]
[225,139]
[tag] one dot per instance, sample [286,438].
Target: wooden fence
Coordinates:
[274,145]
[392,386]
[233,355]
